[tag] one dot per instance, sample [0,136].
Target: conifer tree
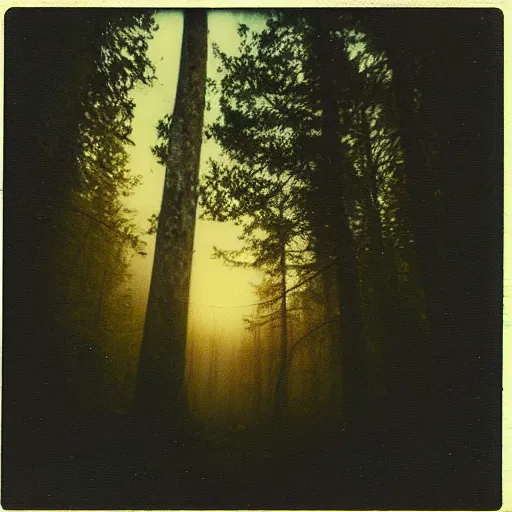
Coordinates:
[160,381]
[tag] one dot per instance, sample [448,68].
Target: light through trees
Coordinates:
[252,259]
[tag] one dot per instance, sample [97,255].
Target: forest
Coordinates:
[253,259]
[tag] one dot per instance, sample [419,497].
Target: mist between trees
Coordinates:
[358,152]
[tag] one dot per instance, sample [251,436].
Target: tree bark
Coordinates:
[161,368]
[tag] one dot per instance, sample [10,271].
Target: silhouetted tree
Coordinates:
[69,73]
[448,106]
[281,117]
[77,98]
[161,368]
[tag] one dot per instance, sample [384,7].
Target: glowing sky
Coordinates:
[213,283]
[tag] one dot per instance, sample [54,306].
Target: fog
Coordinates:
[220,295]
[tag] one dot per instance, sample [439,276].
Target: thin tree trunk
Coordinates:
[161,369]
[281,386]
[258,372]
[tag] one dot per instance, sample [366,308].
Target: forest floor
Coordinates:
[106,464]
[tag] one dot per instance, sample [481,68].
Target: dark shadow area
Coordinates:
[370,373]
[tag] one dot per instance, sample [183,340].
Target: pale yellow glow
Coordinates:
[217,290]
[220,295]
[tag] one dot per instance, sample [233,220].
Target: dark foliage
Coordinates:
[362,158]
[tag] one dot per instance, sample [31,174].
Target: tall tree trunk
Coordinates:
[258,372]
[161,368]
[429,245]
[282,376]
[458,253]
[327,60]
[375,223]
[380,308]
